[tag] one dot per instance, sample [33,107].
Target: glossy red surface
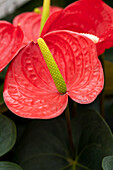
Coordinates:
[85,16]
[10,42]
[29,89]
[30,24]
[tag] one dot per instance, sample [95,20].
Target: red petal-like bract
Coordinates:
[86,16]
[30,24]
[29,89]
[10,42]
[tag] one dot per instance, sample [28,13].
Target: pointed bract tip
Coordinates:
[92,37]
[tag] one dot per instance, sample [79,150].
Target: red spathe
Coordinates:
[29,89]
[85,16]
[10,42]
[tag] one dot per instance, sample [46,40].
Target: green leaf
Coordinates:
[45,145]
[7,134]
[9,166]
[107,163]
[93,139]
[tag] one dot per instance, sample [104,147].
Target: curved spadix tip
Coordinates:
[37,10]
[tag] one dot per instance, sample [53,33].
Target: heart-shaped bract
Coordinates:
[85,16]
[30,23]
[10,42]
[29,89]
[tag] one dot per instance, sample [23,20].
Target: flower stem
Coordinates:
[68,121]
[73,106]
[101,96]
[45,13]
[73,167]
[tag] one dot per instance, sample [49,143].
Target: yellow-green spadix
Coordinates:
[52,66]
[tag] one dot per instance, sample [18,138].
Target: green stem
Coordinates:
[101,96]
[45,13]
[74,167]
[68,121]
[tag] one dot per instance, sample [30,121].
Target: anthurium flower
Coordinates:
[85,16]
[31,88]
[10,42]
[30,23]
[12,38]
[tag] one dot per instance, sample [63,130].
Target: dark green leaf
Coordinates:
[9,166]
[7,134]
[44,144]
[107,163]
[93,139]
